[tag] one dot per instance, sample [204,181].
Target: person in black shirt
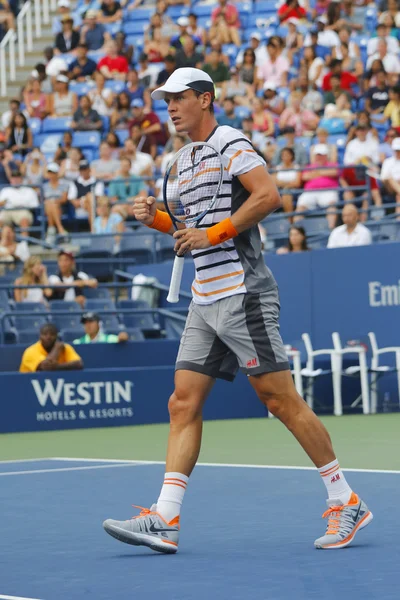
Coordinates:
[111,12]
[86,118]
[187,56]
[169,68]
[377,97]
[82,67]
[68,39]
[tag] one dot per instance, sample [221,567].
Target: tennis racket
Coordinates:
[191,186]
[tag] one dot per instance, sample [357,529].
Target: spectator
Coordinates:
[142,164]
[55,65]
[242,92]
[391,62]
[7,19]
[225,23]
[216,68]
[352,15]
[156,47]
[113,140]
[94,334]
[311,98]
[34,274]
[304,121]
[147,74]
[314,64]
[85,118]
[335,91]
[259,50]
[63,9]
[19,137]
[382,33]
[6,117]
[340,110]
[390,173]
[300,153]
[107,221]
[122,113]
[105,167]
[84,190]
[287,177]
[351,233]
[55,192]
[113,66]
[297,241]
[177,41]
[364,120]
[322,35]
[102,98]
[110,12]
[275,68]
[93,32]
[33,169]
[377,97]
[10,249]
[69,168]
[67,39]
[392,110]
[83,7]
[248,68]
[322,136]
[64,147]
[361,149]
[188,56]
[68,282]
[63,102]
[136,90]
[50,354]
[45,82]
[385,148]
[228,117]
[7,164]
[321,180]
[150,128]
[82,67]
[262,119]
[17,202]
[291,10]
[169,68]
[195,30]
[350,63]
[123,48]
[35,99]
[124,188]
[347,80]
[294,39]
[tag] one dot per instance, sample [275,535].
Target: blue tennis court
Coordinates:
[247,532]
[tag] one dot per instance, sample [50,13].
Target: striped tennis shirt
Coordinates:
[236,266]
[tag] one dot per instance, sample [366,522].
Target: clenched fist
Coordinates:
[144,209]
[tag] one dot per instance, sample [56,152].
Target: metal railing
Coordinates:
[35,12]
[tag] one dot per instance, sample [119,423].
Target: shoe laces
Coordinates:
[143,511]
[333,514]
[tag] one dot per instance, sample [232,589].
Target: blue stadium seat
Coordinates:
[80,88]
[100,304]
[165,248]
[159,105]
[113,28]
[97,293]
[65,321]
[135,40]
[56,124]
[115,86]
[333,126]
[48,144]
[69,335]
[277,226]
[314,225]
[177,11]
[265,6]
[35,125]
[106,122]
[242,112]
[163,115]
[28,336]
[139,14]
[23,323]
[86,139]
[122,134]
[135,334]
[204,10]
[141,247]
[134,27]
[142,321]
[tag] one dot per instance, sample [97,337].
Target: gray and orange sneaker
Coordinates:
[344,520]
[149,528]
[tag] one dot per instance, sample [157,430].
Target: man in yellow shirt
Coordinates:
[49,354]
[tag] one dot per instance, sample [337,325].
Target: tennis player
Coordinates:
[233,323]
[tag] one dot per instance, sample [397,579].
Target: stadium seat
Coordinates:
[134,27]
[28,336]
[135,334]
[69,335]
[100,304]
[143,321]
[115,86]
[174,12]
[122,134]
[139,14]
[24,323]
[35,125]
[80,87]
[86,139]
[333,126]
[65,321]
[139,246]
[165,248]
[113,28]
[97,293]
[204,10]
[56,124]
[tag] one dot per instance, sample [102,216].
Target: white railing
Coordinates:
[33,12]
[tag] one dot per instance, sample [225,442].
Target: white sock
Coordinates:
[335,482]
[170,500]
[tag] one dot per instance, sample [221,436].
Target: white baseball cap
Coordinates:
[255,35]
[321,149]
[53,167]
[269,85]
[183,21]
[186,78]
[396,144]
[64,3]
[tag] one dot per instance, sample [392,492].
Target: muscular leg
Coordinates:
[186,423]
[277,392]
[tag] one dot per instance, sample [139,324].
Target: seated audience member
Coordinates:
[82,67]
[291,9]
[385,147]
[7,116]
[274,103]
[62,102]
[10,249]
[347,80]
[341,109]
[122,114]
[235,88]
[216,68]
[33,169]
[85,117]
[166,72]
[392,110]
[391,62]
[287,177]
[351,233]
[7,164]
[64,147]
[68,283]
[262,119]
[110,12]
[19,137]
[319,175]
[225,23]
[17,201]
[157,47]
[335,91]
[55,192]
[50,354]
[311,99]
[55,66]
[248,69]
[275,67]
[304,122]
[188,56]
[7,19]
[300,153]
[322,136]
[195,30]
[81,191]
[93,33]
[112,65]
[69,168]
[363,119]
[105,167]
[136,90]
[35,99]
[255,47]
[63,9]
[123,48]
[34,274]
[142,163]
[102,98]
[377,97]
[113,141]
[297,241]
[150,127]
[67,39]
[390,173]
[107,221]
[94,334]
[125,187]
[228,117]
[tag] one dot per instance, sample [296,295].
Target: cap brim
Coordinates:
[168,88]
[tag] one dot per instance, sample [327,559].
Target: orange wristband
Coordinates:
[221,232]
[162,222]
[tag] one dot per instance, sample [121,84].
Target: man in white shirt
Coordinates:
[362,150]
[142,163]
[352,233]
[55,64]
[259,50]
[17,199]
[390,172]
[390,61]
[68,282]
[382,32]
[326,37]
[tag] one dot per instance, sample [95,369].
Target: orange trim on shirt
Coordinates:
[218,277]
[213,170]
[238,154]
[228,289]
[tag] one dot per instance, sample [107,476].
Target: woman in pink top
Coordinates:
[35,100]
[262,119]
[305,122]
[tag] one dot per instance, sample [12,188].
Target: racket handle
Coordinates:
[176,278]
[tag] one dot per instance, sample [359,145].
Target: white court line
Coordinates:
[36,471]
[22,460]
[15,598]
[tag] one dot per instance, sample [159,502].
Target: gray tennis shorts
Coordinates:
[239,332]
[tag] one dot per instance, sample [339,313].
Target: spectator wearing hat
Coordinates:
[63,8]
[225,23]
[93,332]
[259,50]
[68,283]
[93,32]
[275,68]
[55,192]
[62,102]
[177,41]
[82,67]
[110,12]
[17,201]
[321,179]
[150,127]
[67,39]
[291,10]
[352,232]
[113,66]
[188,56]
[18,135]
[84,190]
[50,354]
[390,173]
[85,117]
[242,92]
